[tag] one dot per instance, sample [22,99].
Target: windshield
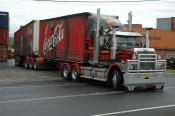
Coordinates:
[128,43]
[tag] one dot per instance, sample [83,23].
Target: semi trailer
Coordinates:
[87,45]
[26,42]
[4,32]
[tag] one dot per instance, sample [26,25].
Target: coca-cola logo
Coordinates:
[57,36]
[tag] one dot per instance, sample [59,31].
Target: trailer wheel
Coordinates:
[116,80]
[65,72]
[30,66]
[35,66]
[172,60]
[26,65]
[74,74]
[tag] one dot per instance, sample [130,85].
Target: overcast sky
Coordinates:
[23,11]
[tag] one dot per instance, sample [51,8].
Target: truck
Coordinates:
[26,42]
[4,31]
[170,60]
[92,46]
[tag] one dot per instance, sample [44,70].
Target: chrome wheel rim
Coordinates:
[65,72]
[74,74]
[172,61]
[114,81]
[35,67]
[25,65]
[30,65]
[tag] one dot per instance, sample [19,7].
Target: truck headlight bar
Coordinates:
[135,65]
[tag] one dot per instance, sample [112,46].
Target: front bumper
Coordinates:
[144,79]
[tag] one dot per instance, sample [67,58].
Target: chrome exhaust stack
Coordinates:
[96,40]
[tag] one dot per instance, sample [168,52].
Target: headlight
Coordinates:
[134,56]
[132,67]
[161,66]
[123,61]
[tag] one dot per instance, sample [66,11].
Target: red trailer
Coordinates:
[91,46]
[26,42]
[3,45]
[4,31]
[59,38]
[68,39]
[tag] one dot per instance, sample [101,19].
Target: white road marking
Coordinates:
[135,110]
[169,87]
[38,86]
[59,97]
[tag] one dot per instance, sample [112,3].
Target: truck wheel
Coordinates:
[65,72]
[172,60]
[35,66]
[26,65]
[116,80]
[74,74]
[30,66]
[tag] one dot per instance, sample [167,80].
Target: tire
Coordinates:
[26,65]
[172,61]
[35,66]
[65,72]
[116,80]
[74,74]
[30,66]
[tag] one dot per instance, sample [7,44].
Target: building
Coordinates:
[167,24]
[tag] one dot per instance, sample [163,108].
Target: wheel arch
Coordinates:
[69,65]
[113,67]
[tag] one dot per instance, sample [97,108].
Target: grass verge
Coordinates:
[170,70]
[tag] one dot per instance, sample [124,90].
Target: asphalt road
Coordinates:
[44,93]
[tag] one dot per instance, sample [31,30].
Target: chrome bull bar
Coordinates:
[146,63]
[146,71]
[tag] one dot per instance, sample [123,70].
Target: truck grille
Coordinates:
[147,61]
